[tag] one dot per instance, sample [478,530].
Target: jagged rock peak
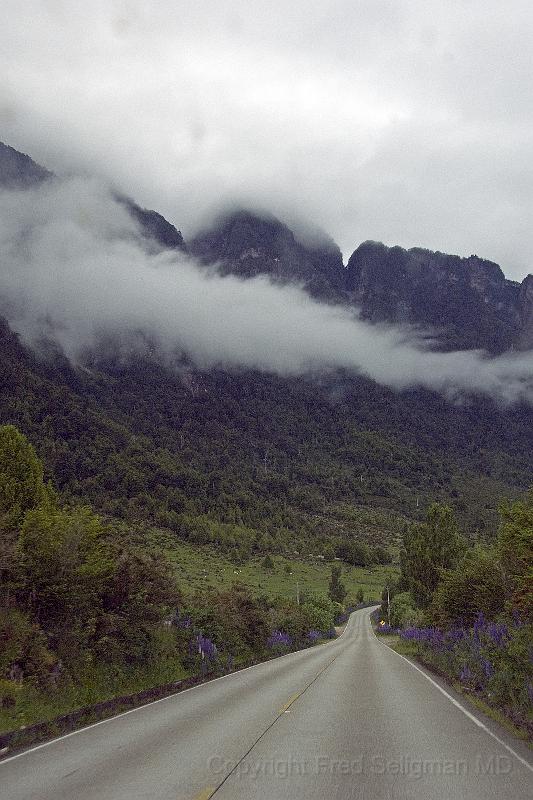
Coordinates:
[525,300]
[249,244]
[155,226]
[469,299]
[18,171]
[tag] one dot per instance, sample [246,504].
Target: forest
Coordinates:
[254,462]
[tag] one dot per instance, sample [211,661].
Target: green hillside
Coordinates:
[253,463]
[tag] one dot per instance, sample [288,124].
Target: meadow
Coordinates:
[199,568]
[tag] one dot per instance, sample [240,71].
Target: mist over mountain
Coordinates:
[467,303]
[253,367]
[81,264]
[18,170]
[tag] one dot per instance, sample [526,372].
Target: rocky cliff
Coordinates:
[465,302]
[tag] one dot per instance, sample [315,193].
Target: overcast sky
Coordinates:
[407,121]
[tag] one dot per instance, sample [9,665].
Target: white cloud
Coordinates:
[74,267]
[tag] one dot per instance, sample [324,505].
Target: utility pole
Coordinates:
[388,606]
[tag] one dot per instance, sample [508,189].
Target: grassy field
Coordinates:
[202,567]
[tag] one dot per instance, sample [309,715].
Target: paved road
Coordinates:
[349,719]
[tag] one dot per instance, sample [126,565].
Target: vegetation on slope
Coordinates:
[468,611]
[90,609]
[255,463]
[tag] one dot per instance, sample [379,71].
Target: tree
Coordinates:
[139,592]
[21,478]
[515,547]
[402,610]
[360,596]
[23,647]
[268,563]
[321,611]
[22,489]
[234,619]
[355,553]
[337,590]
[475,585]
[429,548]
[328,552]
[380,555]
[63,567]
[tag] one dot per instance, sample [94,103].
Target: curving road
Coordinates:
[349,719]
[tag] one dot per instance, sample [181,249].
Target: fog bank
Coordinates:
[74,267]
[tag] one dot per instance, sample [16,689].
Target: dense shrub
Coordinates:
[491,658]
[402,610]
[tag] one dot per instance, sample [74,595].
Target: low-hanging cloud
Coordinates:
[75,268]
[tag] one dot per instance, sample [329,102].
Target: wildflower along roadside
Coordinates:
[493,659]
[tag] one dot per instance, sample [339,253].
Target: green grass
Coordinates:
[95,685]
[202,567]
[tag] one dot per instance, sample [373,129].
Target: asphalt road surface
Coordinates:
[348,719]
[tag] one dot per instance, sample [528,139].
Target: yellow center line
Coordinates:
[289,702]
[294,697]
[209,791]
[205,794]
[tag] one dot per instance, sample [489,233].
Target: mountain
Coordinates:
[468,301]
[525,300]
[247,245]
[19,171]
[257,462]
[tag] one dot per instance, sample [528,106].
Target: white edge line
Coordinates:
[455,702]
[172,696]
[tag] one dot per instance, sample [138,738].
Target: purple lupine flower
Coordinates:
[479,623]
[455,634]
[487,667]
[204,647]
[279,639]
[429,636]
[465,674]
[499,633]
[314,636]
[529,690]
